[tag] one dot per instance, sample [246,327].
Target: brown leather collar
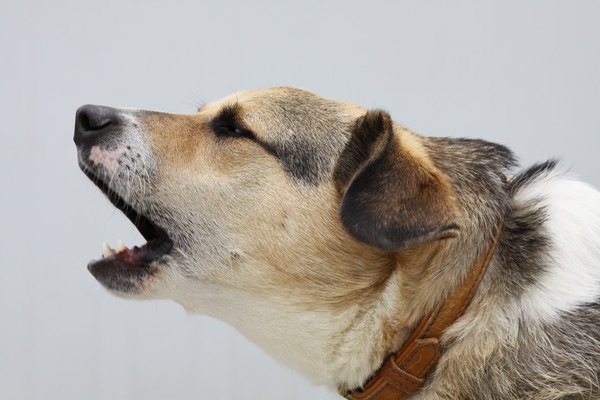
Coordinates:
[404,372]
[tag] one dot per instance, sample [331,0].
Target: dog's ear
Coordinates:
[391,197]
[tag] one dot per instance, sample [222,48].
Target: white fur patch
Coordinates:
[573,226]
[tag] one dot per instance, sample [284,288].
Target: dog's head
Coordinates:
[272,200]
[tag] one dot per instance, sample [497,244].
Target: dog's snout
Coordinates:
[92,121]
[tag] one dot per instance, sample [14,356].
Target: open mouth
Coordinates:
[129,261]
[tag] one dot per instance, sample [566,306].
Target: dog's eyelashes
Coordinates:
[227,124]
[232,131]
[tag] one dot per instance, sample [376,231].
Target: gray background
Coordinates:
[522,73]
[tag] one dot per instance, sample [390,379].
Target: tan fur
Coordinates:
[283,234]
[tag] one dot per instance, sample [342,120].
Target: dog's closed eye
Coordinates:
[232,131]
[227,124]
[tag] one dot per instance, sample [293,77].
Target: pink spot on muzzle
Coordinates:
[109,159]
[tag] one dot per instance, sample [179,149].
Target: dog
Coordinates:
[327,233]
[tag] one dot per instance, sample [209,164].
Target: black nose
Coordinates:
[92,122]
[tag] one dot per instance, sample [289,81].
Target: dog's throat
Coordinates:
[404,373]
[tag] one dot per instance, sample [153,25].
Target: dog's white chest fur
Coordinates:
[572,277]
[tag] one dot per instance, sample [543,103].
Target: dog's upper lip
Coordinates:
[149,229]
[158,241]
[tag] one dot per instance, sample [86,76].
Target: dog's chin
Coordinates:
[130,271]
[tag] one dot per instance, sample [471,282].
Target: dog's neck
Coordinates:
[325,347]
[404,372]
